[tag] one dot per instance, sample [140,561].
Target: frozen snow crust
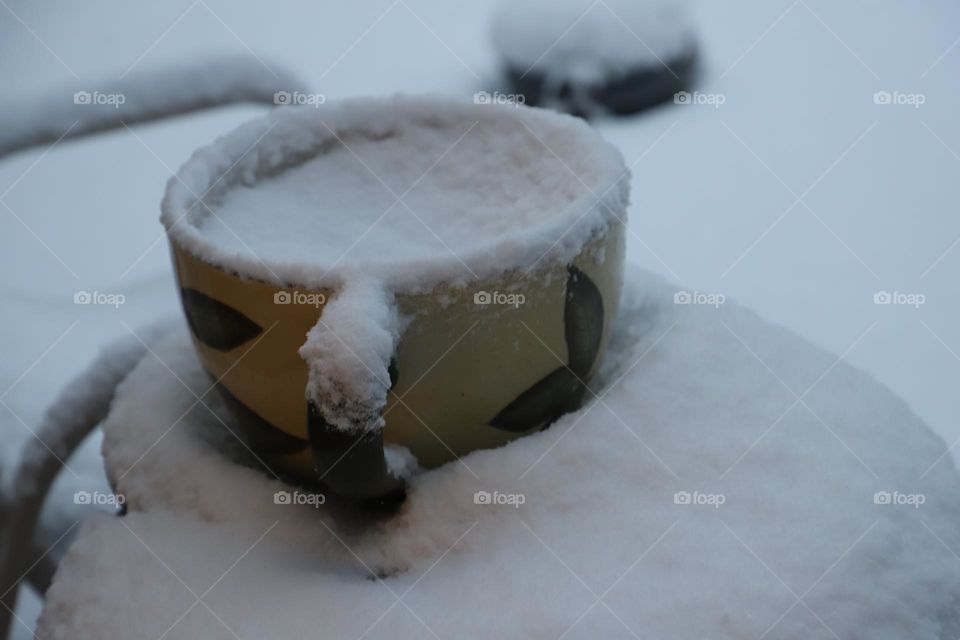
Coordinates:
[687,409]
[409,190]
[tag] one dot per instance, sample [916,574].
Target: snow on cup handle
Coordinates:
[249,336]
[350,358]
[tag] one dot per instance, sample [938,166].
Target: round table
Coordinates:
[726,480]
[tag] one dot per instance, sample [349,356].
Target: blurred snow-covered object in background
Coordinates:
[592,56]
[144,95]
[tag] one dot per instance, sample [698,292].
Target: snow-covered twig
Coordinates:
[79,408]
[140,97]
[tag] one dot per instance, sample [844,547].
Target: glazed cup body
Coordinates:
[466,354]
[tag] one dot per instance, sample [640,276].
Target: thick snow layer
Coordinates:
[448,188]
[698,496]
[348,354]
[589,41]
[461,183]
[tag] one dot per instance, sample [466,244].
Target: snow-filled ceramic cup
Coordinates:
[383,284]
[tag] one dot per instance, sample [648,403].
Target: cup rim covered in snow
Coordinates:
[287,136]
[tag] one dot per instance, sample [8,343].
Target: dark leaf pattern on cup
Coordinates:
[562,390]
[215,324]
[544,402]
[583,322]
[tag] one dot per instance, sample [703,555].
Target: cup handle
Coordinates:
[350,359]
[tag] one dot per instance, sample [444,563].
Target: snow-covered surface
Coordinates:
[348,355]
[412,189]
[798,79]
[590,42]
[690,504]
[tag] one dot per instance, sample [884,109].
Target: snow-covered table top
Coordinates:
[728,482]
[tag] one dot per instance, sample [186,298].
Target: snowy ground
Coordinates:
[799,196]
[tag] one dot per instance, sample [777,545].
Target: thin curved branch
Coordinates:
[79,408]
[142,96]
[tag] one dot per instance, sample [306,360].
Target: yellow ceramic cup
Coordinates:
[478,359]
